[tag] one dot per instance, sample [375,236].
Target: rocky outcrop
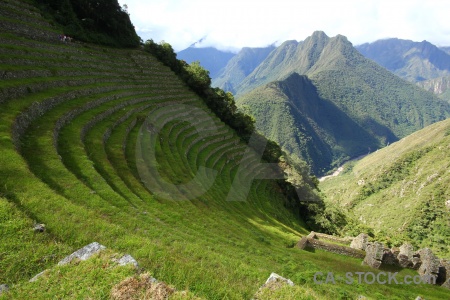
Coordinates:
[360,242]
[374,255]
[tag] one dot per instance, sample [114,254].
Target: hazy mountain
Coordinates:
[240,66]
[210,58]
[446,49]
[382,104]
[413,61]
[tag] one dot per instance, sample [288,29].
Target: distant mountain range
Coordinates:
[413,61]
[420,62]
[210,58]
[325,102]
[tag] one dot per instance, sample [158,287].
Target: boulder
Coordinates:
[3,288]
[405,255]
[360,242]
[374,254]
[447,203]
[430,263]
[83,253]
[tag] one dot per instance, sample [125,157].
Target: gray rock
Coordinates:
[127,259]
[275,277]
[406,255]
[36,277]
[3,288]
[83,253]
[360,242]
[444,273]
[39,228]
[374,254]
[390,257]
[447,203]
[416,262]
[430,263]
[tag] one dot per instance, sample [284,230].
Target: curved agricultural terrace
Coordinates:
[108,145]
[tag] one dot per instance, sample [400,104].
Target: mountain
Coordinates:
[413,61]
[210,58]
[402,189]
[382,104]
[446,49]
[439,86]
[291,112]
[241,65]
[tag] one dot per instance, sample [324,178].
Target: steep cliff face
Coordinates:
[439,86]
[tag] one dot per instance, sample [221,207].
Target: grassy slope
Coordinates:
[402,188]
[70,118]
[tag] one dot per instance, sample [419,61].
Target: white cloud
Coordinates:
[234,24]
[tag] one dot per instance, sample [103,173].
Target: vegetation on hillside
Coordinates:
[401,190]
[100,21]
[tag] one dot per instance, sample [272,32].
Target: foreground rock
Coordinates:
[3,288]
[444,273]
[273,283]
[374,255]
[430,263]
[39,228]
[405,255]
[83,254]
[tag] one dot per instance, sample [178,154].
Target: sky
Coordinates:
[233,24]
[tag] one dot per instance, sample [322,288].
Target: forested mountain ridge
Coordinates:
[291,111]
[382,104]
